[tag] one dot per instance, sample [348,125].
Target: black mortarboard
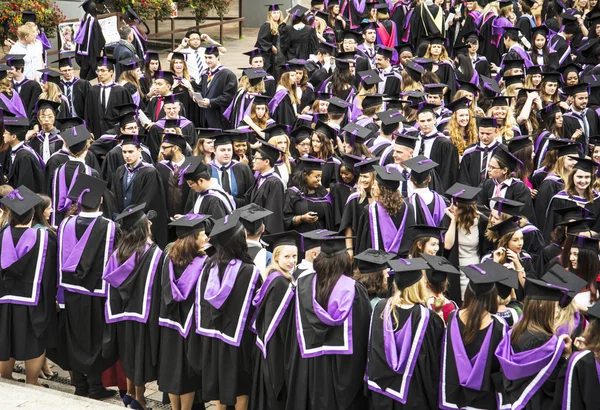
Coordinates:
[550,77]
[327,47]
[349,161]
[435,89]
[255,75]
[535,69]
[301,133]
[273,7]
[194,168]
[322,15]
[468,86]
[509,160]
[76,138]
[386,52]
[16,124]
[594,313]
[356,133]
[337,106]
[107,62]
[426,107]
[4,71]
[506,227]
[134,214]
[354,35]
[500,101]
[275,130]
[43,104]
[407,272]
[576,89]
[298,11]
[559,276]
[131,63]
[175,139]
[50,76]
[28,16]
[21,200]
[540,290]
[388,176]
[460,104]
[566,149]
[440,268]
[515,63]
[132,15]
[576,225]
[308,164]
[573,212]
[461,49]
[14,60]
[415,70]
[252,216]
[402,47]
[406,140]
[585,242]
[420,167]
[225,229]
[327,130]
[211,50]
[490,84]
[151,55]
[312,239]
[436,39]
[512,80]
[333,245]
[222,139]
[381,6]
[261,99]
[366,25]
[372,260]
[238,135]
[370,77]
[64,123]
[567,68]
[270,152]
[512,32]
[372,100]
[390,120]
[506,286]
[518,143]
[366,166]
[585,164]
[463,193]
[131,139]
[426,231]
[257,52]
[483,276]
[87,190]
[164,75]
[286,238]
[508,206]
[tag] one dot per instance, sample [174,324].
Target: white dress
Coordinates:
[468,252]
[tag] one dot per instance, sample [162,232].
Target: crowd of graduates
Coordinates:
[395,206]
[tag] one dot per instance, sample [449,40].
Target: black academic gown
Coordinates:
[573,122]
[577,383]
[319,378]
[353,212]
[132,333]
[213,201]
[155,135]
[30,93]
[269,193]
[422,25]
[241,179]
[299,44]
[469,172]
[90,49]
[79,94]
[100,119]
[146,187]
[227,343]
[55,142]
[220,92]
[59,158]
[339,193]
[274,307]
[114,159]
[298,203]
[477,391]
[85,291]
[444,152]
[561,200]
[26,169]
[265,40]
[27,325]
[384,382]
[549,187]
[176,193]
[517,191]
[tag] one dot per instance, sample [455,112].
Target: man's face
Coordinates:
[370,36]
[12,72]
[223,154]
[130,129]
[211,60]
[194,41]
[67,73]
[381,62]
[257,62]
[172,110]
[349,44]
[46,118]
[104,74]
[162,86]
[401,153]
[405,56]
[426,122]
[131,153]
[167,150]
[434,99]
[8,137]
[487,135]
[580,101]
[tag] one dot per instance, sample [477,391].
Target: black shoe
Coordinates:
[81,393]
[103,394]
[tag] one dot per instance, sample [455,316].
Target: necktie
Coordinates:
[225,180]
[586,125]
[69,95]
[422,147]
[499,188]
[198,61]
[46,147]
[405,184]
[103,98]
[17,86]
[159,106]
[484,161]
[210,77]
[175,168]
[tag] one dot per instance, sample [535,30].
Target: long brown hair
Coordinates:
[260,122]
[286,82]
[133,241]
[592,338]
[476,307]
[538,317]
[391,201]
[329,269]
[465,216]
[570,186]
[374,282]
[184,250]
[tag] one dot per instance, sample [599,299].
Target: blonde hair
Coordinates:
[274,266]
[130,76]
[274,24]
[456,136]
[244,83]
[506,130]
[286,155]
[559,168]
[320,25]
[443,56]
[413,295]
[286,82]
[361,191]
[408,84]
[6,86]
[52,93]
[27,29]
[566,316]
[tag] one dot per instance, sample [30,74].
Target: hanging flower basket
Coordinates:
[203,7]
[48,14]
[150,9]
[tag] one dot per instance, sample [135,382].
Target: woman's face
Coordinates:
[177,66]
[582,3]
[276,15]
[313,179]
[209,146]
[499,112]
[471,5]
[299,75]
[558,120]
[47,212]
[303,147]
[462,117]
[573,256]
[260,110]
[596,153]
[240,148]
[316,143]
[569,163]
[336,9]
[323,105]
[550,87]
[431,247]
[435,49]
[598,30]
[582,179]
[375,191]
[516,242]
[282,143]
[346,147]
[540,41]
[346,175]
[288,257]
[364,181]
[536,79]
[201,239]
[572,78]
[153,65]
[494,217]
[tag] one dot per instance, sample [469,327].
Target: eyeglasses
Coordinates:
[257,159]
[194,39]
[491,167]
[132,128]
[304,144]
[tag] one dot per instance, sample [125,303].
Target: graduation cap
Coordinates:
[535,69]
[208,132]
[134,214]
[301,133]
[333,245]
[257,52]
[64,123]
[298,11]
[508,206]
[132,15]
[388,176]
[21,200]
[559,276]
[50,76]
[426,231]
[390,120]
[461,49]
[273,7]
[484,276]
[107,62]
[512,80]
[151,55]
[384,7]
[584,164]
[426,63]
[505,3]
[14,60]
[211,50]
[435,89]
[76,138]
[573,212]
[506,227]
[4,71]
[550,111]
[414,70]
[327,130]
[366,25]
[314,3]
[420,167]
[337,106]
[576,89]
[349,161]
[500,101]
[225,229]
[426,107]
[322,15]
[440,268]
[576,225]
[177,55]
[15,125]
[490,84]
[366,166]
[87,191]
[407,272]
[175,139]
[402,47]
[567,68]
[127,115]
[343,61]
[436,39]
[567,149]
[463,103]
[543,30]
[518,143]
[286,238]
[131,139]
[356,133]
[512,32]
[260,99]
[370,77]
[386,52]
[549,77]
[506,286]
[585,242]
[44,104]
[372,100]
[512,64]
[164,75]
[194,168]
[352,35]
[308,164]
[469,87]
[312,239]
[327,48]
[463,193]
[131,63]
[505,157]
[28,16]
[406,140]
[252,217]
[271,152]
[594,313]
[471,36]
[536,289]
